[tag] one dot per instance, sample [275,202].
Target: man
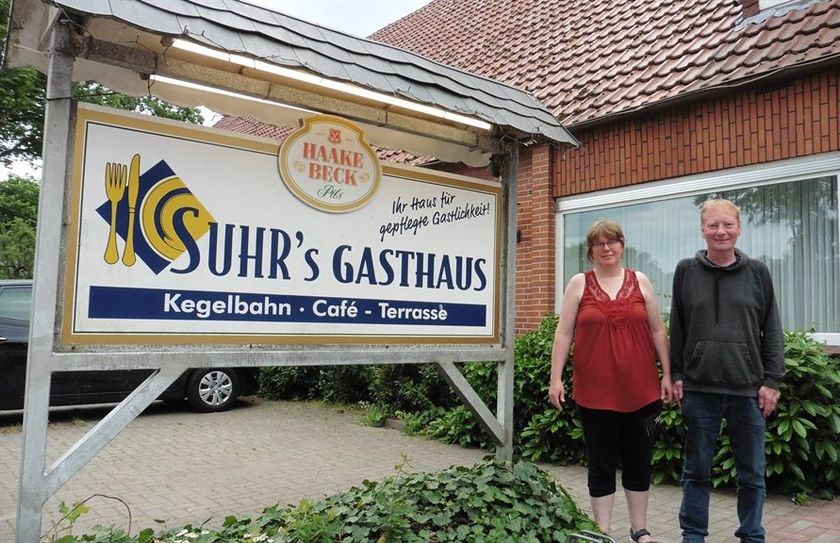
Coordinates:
[727,361]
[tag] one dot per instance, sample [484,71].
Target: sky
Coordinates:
[357,17]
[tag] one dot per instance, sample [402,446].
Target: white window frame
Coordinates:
[784,171]
[765,4]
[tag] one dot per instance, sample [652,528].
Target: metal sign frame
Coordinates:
[38,481]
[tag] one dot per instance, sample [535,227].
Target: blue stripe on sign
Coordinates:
[199,305]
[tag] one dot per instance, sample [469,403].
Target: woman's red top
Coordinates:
[614,362]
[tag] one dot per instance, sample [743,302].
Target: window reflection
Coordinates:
[15,302]
[792,227]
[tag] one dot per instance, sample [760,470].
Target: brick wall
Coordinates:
[535,250]
[788,120]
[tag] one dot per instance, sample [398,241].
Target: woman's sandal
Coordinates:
[635,536]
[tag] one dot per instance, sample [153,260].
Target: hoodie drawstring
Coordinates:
[718,277]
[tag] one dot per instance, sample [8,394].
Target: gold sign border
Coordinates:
[87,114]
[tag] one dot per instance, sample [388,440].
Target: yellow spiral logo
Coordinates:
[167,203]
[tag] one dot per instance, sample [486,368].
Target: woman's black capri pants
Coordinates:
[610,438]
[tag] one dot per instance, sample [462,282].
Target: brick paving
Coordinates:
[185,467]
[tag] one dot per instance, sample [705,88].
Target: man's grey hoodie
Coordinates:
[726,336]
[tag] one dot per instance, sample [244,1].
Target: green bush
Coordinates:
[546,434]
[490,502]
[408,387]
[391,387]
[290,383]
[803,437]
[458,426]
[541,432]
[344,384]
[667,453]
[336,384]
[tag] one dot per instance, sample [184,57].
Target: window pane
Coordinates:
[791,227]
[15,302]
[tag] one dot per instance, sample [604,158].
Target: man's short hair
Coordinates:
[602,228]
[720,202]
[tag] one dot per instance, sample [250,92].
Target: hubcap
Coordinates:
[215,388]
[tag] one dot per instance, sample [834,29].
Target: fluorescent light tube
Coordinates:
[333,85]
[214,90]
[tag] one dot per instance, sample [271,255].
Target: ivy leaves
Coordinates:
[490,502]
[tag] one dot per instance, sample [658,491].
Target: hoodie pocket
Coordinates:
[723,363]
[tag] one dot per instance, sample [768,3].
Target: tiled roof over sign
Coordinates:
[592,59]
[260,33]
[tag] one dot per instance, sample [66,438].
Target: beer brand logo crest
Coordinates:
[328,165]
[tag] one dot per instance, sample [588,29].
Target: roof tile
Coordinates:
[179,7]
[589,60]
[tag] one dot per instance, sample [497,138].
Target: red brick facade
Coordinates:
[536,248]
[795,119]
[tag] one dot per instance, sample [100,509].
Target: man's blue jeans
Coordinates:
[702,414]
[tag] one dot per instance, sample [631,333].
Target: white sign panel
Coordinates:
[182,234]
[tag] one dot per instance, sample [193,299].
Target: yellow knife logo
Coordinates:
[129,257]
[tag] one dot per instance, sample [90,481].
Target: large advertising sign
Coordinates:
[183,234]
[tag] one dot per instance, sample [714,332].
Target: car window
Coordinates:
[16,302]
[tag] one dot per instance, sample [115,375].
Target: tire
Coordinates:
[213,389]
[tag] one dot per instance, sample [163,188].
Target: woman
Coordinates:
[612,314]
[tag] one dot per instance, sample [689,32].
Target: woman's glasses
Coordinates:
[609,244]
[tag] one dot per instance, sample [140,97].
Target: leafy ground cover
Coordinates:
[489,502]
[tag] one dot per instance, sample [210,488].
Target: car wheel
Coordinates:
[213,389]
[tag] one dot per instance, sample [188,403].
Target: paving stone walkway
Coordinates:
[185,467]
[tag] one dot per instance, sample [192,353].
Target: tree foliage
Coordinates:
[18,217]
[21,106]
[21,114]
[22,101]
[23,95]
[17,250]
[18,199]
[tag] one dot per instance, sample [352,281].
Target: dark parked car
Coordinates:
[206,389]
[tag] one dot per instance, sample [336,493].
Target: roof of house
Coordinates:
[594,59]
[234,26]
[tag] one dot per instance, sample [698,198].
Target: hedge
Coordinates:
[802,437]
